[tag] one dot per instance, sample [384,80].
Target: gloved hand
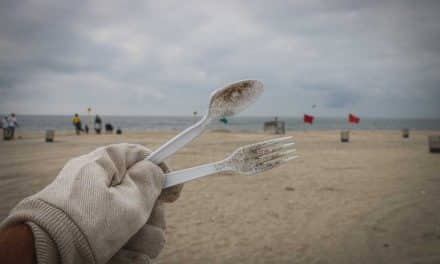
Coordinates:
[96,204]
[147,243]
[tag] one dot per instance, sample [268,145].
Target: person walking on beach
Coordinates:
[5,127]
[12,123]
[76,121]
[98,124]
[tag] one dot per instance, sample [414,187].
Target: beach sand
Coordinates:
[375,199]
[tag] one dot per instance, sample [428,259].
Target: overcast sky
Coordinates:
[373,58]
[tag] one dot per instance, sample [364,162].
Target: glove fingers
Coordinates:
[148,179]
[150,240]
[129,257]
[157,217]
[171,194]
[117,159]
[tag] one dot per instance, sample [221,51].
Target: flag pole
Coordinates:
[304,123]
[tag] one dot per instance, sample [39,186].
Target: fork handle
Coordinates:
[181,176]
[179,141]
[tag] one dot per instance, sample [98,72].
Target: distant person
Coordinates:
[12,124]
[108,128]
[98,124]
[76,121]
[86,128]
[118,131]
[5,127]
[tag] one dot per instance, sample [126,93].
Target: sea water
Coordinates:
[240,123]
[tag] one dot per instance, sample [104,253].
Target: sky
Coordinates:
[372,58]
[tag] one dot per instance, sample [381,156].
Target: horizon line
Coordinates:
[265,116]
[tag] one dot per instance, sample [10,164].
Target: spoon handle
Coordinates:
[179,141]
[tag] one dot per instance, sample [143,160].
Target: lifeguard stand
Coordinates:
[275,126]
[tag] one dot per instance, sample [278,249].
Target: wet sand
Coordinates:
[375,199]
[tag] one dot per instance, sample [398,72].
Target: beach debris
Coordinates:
[434,143]
[289,188]
[345,136]
[119,131]
[248,160]
[224,102]
[50,135]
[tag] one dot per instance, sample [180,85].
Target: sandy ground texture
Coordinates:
[375,199]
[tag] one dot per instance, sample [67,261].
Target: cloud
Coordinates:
[162,57]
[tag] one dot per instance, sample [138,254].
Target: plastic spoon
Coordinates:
[224,102]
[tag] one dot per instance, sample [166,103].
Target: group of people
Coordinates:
[76,121]
[9,123]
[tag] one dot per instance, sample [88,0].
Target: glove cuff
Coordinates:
[45,248]
[53,231]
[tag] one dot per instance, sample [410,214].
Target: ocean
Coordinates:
[253,124]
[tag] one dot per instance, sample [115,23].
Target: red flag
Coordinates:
[308,119]
[353,119]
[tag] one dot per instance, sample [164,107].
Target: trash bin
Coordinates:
[405,133]
[50,135]
[434,143]
[345,135]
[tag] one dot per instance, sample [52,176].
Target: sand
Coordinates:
[375,199]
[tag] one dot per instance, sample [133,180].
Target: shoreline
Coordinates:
[20,135]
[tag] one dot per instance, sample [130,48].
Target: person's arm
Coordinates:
[17,245]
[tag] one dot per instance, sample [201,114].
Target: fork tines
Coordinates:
[272,153]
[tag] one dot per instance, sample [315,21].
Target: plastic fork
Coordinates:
[248,160]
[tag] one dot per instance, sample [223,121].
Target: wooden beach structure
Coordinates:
[275,127]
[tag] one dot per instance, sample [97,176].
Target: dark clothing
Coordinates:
[78,128]
[108,128]
[6,134]
[98,125]
[98,128]
[11,132]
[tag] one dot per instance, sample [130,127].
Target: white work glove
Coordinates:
[96,204]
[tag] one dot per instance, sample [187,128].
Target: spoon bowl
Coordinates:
[234,98]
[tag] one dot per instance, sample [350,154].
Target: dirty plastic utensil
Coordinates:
[224,102]
[249,160]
